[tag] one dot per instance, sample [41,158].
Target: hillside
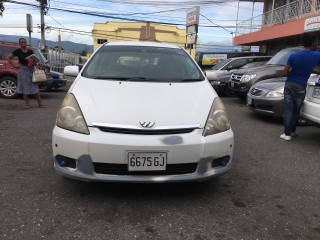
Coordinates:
[66,45]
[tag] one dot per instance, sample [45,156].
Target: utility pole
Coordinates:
[43,4]
[59,42]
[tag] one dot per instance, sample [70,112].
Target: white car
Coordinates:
[141,112]
[310,110]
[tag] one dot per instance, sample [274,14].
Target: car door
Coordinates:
[2,62]
[6,51]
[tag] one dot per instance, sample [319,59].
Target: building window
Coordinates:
[102,41]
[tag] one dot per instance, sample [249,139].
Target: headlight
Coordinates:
[70,116]
[61,76]
[218,120]
[214,82]
[246,78]
[278,92]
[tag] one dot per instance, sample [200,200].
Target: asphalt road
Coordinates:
[271,192]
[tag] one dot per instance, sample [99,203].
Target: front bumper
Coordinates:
[267,106]
[58,83]
[240,87]
[218,86]
[111,148]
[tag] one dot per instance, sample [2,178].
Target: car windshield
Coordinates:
[142,63]
[39,55]
[281,57]
[220,64]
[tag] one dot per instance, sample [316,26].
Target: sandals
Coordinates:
[27,106]
[41,106]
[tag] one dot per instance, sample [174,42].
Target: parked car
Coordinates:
[220,74]
[57,81]
[159,121]
[207,60]
[242,79]
[310,110]
[8,74]
[266,97]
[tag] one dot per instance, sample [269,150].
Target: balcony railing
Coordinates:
[280,15]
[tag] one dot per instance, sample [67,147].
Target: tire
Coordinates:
[229,92]
[8,87]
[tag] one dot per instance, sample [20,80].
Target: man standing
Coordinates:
[298,69]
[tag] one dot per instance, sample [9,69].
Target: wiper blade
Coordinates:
[106,77]
[190,80]
[136,79]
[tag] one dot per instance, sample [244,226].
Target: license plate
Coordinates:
[232,84]
[316,92]
[147,161]
[249,101]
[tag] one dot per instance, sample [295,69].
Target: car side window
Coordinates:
[1,54]
[236,64]
[7,51]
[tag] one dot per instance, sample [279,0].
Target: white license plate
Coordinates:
[316,92]
[232,84]
[147,161]
[249,101]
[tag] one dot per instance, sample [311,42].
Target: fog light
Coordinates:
[224,160]
[62,161]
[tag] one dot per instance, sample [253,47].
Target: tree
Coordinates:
[1,7]
[84,52]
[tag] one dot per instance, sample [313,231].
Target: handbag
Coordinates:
[39,75]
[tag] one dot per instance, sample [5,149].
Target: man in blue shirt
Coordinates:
[298,69]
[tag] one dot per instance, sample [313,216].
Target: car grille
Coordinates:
[257,92]
[122,169]
[236,77]
[146,132]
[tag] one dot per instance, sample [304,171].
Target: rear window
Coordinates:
[39,55]
[141,63]
[8,50]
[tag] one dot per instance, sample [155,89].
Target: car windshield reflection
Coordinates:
[130,63]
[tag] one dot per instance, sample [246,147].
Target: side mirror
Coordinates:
[72,71]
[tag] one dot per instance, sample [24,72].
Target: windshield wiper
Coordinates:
[190,80]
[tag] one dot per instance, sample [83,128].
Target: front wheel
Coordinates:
[8,87]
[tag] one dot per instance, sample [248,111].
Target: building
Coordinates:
[280,25]
[138,31]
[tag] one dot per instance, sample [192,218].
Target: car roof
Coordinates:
[142,44]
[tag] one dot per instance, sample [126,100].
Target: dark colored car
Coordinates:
[266,97]
[57,81]
[220,74]
[242,79]
[8,74]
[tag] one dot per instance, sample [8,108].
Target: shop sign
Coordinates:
[312,24]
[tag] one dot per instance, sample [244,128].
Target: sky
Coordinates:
[221,14]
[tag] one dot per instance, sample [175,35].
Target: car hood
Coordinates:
[261,69]
[271,84]
[128,103]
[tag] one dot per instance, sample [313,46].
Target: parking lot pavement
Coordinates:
[271,192]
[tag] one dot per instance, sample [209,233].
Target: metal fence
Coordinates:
[286,13]
[59,59]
